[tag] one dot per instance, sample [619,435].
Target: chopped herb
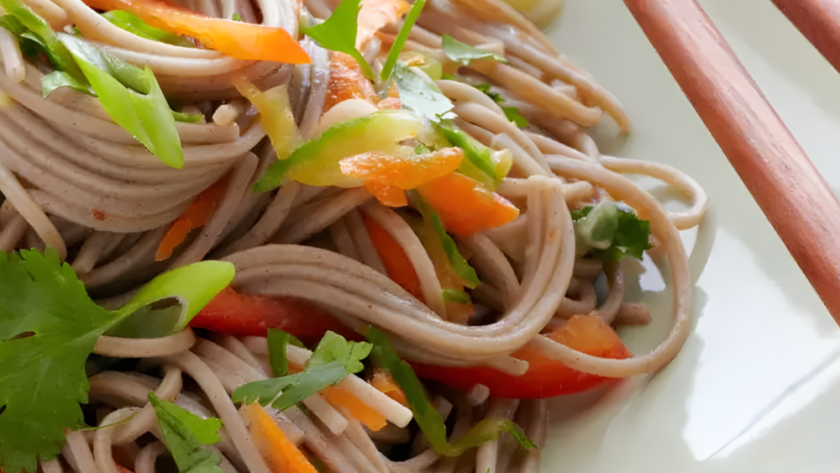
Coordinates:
[332,361]
[460,265]
[48,328]
[133,24]
[464,53]
[187,437]
[338,33]
[236,17]
[611,231]
[427,417]
[512,113]
[454,295]
[401,38]
[420,96]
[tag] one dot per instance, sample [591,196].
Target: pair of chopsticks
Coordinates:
[791,193]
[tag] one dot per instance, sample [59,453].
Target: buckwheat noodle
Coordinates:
[76,182]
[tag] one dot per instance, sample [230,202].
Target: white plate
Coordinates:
[757,386]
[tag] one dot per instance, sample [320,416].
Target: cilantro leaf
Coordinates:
[338,33]
[187,436]
[460,265]
[48,328]
[236,17]
[300,386]
[611,231]
[512,113]
[420,96]
[464,53]
[334,347]
[333,360]
[42,375]
[427,417]
[402,37]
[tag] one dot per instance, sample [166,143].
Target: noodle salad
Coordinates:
[285,237]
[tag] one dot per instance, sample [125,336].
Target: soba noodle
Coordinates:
[76,182]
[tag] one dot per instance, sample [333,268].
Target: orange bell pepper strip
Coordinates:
[279,452]
[195,216]
[385,383]
[386,176]
[466,206]
[396,262]
[234,38]
[355,407]
[545,377]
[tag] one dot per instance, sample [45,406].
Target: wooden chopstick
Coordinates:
[819,21]
[783,181]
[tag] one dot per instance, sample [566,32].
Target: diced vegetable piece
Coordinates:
[195,216]
[465,206]
[281,454]
[545,377]
[242,315]
[233,38]
[317,162]
[396,262]
[385,175]
[355,407]
[479,164]
[384,382]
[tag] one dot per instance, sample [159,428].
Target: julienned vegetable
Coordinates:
[279,452]
[234,38]
[545,377]
[397,264]
[49,328]
[426,416]
[131,22]
[610,231]
[316,163]
[196,215]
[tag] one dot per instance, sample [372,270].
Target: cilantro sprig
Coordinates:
[427,417]
[333,360]
[48,328]
[187,437]
[610,231]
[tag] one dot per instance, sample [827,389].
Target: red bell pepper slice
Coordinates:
[545,377]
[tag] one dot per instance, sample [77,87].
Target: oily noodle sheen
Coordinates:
[77,182]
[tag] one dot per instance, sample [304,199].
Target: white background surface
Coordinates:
[757,386]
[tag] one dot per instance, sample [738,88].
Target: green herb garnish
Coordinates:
[464,53]
[611,231]
[187,436]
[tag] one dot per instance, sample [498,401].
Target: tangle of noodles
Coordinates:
[75,181]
